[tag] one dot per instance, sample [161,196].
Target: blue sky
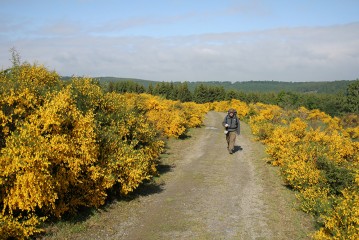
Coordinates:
[186,40]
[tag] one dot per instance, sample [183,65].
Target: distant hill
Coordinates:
[142,82]
[275,86]
[252,86]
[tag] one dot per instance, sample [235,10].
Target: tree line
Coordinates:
[333,104]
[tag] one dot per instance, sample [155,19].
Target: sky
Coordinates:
[187,40]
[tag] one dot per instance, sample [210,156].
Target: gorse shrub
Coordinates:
[319,158]
[19,227]
[223,106]
[171,118]
[338,178]
[49,161]
[67,146]
[22,90]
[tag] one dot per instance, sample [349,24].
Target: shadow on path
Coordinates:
[237,148]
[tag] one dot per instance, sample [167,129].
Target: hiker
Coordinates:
[232,125]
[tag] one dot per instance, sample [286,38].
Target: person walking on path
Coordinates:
[232,128]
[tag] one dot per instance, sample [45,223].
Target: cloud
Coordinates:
[59,29]
[118,25]
[253,8]
[286,54]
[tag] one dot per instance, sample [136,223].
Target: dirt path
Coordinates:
[205,193]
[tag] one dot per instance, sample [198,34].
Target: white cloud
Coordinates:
[60,29]
[293,54]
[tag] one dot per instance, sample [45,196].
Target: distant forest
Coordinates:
[335,98]
[253,86]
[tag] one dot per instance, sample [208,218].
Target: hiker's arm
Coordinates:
[224,122]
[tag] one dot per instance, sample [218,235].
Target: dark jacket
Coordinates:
[233,123]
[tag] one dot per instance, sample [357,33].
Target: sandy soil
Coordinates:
[202,193]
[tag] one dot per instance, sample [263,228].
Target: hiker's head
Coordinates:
[231,112]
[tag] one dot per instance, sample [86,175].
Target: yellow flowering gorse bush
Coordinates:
[67,145]
[319,158]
